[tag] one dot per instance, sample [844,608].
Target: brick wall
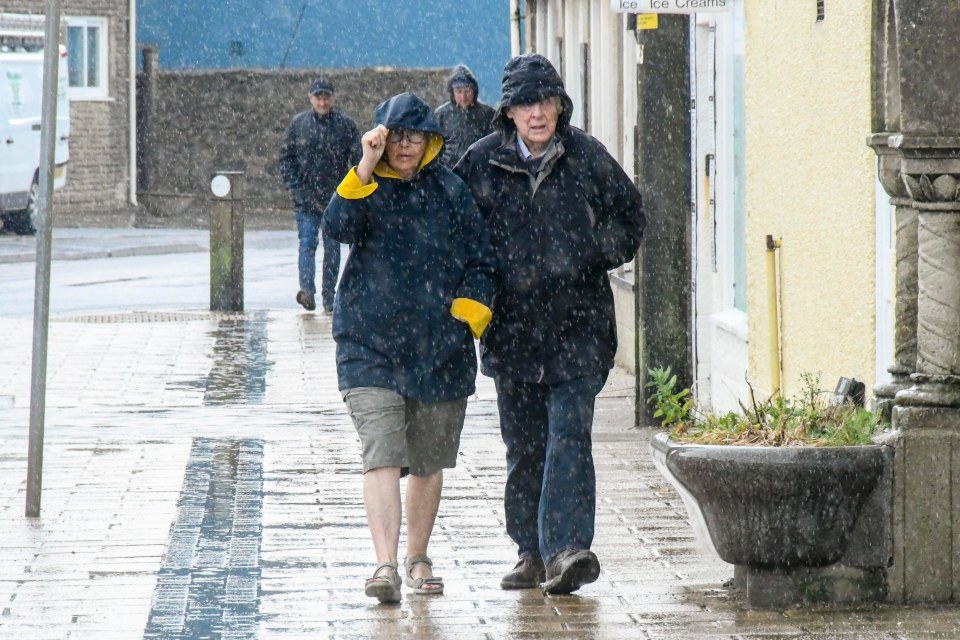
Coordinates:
[97,188]
[196,122]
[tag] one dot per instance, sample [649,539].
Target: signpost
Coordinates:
[670,6]
[41,296]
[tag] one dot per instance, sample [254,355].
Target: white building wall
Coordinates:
[722,342]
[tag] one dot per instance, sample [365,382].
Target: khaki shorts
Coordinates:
[419,437]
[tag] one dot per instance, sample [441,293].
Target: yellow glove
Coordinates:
[475,314]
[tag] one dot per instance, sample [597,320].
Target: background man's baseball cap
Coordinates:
[321,85]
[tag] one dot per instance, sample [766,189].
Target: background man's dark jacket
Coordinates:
[315,155]
[462,127]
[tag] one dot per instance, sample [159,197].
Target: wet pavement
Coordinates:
[202,480]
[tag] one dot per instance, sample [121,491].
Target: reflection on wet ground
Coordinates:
[240,362]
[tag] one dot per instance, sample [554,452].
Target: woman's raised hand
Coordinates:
[374,143]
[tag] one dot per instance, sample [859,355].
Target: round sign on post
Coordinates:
[220,186]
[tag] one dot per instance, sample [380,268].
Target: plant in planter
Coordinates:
[782,490]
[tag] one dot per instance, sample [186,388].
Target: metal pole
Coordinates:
[640,375]
[132,97]
[639,399]
[773,318]
[41,292]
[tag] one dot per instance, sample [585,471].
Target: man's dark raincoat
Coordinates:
[420,259]
[555,233]
[462,127]
[315,154]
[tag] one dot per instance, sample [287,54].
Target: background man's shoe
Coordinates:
[571,569]
[305,299]
[528,573]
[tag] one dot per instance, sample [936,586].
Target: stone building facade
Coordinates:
[98,189]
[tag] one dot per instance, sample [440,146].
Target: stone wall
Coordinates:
[193,123]
[98,187]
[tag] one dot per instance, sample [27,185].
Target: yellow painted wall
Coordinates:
[810,180]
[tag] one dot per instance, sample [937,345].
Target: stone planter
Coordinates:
[782,514]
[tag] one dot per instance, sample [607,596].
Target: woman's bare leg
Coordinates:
[381,498]
[422,503]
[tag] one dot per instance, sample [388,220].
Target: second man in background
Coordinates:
[463,119]
[321,145]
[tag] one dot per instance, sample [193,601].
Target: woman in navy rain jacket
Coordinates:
[414,294]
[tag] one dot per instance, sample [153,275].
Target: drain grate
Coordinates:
[137,317]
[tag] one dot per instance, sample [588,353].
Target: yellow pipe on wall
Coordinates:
[773,315]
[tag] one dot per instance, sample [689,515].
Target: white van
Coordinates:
[21,90]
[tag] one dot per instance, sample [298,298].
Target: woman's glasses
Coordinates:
[396,136]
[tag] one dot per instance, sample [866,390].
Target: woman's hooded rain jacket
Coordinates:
[417,285]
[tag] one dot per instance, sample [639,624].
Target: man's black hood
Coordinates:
[406,111]
[462,75]
[527,79]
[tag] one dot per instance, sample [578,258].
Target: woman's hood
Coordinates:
[408,111]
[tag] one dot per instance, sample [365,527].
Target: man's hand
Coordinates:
[374,143]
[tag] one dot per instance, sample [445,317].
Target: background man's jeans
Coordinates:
[308,230]
[550,497]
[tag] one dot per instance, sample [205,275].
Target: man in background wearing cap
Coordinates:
[320,147]
[463,119]
[561,213]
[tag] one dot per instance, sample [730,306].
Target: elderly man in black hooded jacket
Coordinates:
[561,213]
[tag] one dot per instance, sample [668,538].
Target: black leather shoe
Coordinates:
[571,569]
[528,573]
[306,300]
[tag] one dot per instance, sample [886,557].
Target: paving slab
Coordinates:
[202,480]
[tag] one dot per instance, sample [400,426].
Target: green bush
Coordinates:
[803,420]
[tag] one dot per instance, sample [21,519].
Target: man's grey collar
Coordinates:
[525,152]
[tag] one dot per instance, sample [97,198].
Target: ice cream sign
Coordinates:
[670,6]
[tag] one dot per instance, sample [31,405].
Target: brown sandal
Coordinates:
[385,588]
[419,585]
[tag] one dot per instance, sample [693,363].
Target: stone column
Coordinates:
[927,492]
[905,303]
[918,90]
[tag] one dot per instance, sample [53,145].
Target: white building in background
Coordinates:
[101,86]
[779,118]
[597,53]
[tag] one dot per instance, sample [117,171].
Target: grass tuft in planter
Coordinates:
[802,420]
